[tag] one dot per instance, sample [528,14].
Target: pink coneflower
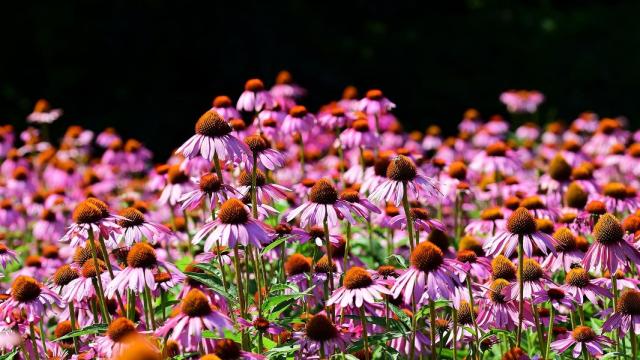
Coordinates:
[233,226]
[610,250]
[374,103]
[334,118]
[321,337]
[473,265]
[533,280]
[30,297]
[82,287]
[582,336]
[359,136]
[403,177]
[428,278]
[117,339]
[556,296]
[90,215]
[177,185]
[7,255]
[626,317]
[298,268]
[213,140]
[323,205]
[209,187]
[578,284]
[522,101]
[360,206]
[358,288]
[497,309]
[49,227]
[255,98]
[519,224]
[266,157]
[43,113]
[196,314]
[421,221]
[497,157]
[298,120]
[222,105]
[107,136]
[265,192]
[229,349]
[490,220]
[142,264]
[135,228]
[620,198]
[567,252]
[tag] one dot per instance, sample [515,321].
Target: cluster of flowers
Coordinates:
[274,232]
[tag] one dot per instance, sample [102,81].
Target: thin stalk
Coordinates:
[365,337]
[254,189]
[258,283]
[163,303]
[43,334]
[407,212]
[236,259]
[72,318]
[614,284]
[539,330]
[105,255]
[219,256]
[550,333]
[32,330]
[97,283]
[521,288]
[454,315]
[329,250]
[131,302]
[634,343]
[473,316]
[432,315]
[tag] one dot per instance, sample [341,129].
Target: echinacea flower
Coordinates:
[497,309]
[265,156]
[359,136]
[421,221]
[533,280]
[429,277]
[402,175]
[582,336]
[265,191]
[609,250]
[375,103]
[567,251]
[359,288]
[323,205]
[233,226]
[558,298]
[255,98]
[321,337]
[213,140]
[578,284]
[43,113]
[222,105]
[142,264]
[29,297]
[82,287]
[7,255]
[522,101]
[90,216]
[229,349]
[497,157]
[626,317]
[299,120]
[209,187]
[520,224]
[135,228]
[196,315]
[117,338]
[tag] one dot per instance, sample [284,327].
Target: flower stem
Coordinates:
[216,165]
[32,330]
[473,317]
[432,315]
[634,343]
[363,322]
[454,315]
[236,259]
[97,282]
[539,331]
[407,213]
[149,307]
[72,318]
[254,190]
[521,289]
[550,333]
[329,250]
[105,255]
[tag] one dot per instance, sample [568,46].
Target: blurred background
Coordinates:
[150,68]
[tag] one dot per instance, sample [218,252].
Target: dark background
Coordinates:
[150,68]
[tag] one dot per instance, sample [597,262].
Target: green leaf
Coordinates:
[213,283]
[9,356]
[191,355]
[404,318]
[283,350]
[398,260]
[273,245]
[91,329]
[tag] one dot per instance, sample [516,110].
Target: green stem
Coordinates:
[365,337]
[473,316]
[407,212]
[521,288]
[105,255]
[634,343]
[72,318]
[236,259]
[32,330]
[254,190]
[550,333]
[432,315]
[454,315]
[539,330]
